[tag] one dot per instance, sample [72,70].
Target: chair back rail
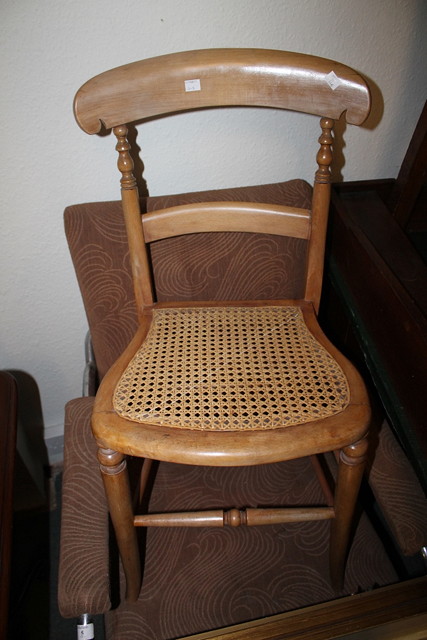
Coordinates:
[220,78]
[226,216]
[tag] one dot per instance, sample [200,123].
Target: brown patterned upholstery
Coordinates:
[97,240]
[279,578]
[182,594]
[84,576]
[260,264]
[289,571]
[263,267]
[399,493]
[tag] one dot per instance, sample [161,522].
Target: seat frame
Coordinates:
[226,77]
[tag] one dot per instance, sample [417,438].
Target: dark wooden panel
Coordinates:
[368,211]
[381,281]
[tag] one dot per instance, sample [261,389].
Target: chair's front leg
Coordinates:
[116,483]
[352,462]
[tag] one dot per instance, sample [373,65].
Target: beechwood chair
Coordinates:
[231,382]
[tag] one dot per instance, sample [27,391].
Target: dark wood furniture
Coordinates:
[380,278]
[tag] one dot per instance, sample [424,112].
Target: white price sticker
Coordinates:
[192,85]
[333,81]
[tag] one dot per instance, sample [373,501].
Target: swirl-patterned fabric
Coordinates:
[232,266]
[220,266]
[202,579]
[198,579]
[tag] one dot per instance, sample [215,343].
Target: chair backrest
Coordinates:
[214,78]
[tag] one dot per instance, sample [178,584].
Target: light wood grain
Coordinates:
[228,77]
[234,517]
[226,216]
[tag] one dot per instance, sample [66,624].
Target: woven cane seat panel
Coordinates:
[231,369]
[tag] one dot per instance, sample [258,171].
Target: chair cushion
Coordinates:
[232,266]
[97,241]
[398,492]
[203,267]
[84,572]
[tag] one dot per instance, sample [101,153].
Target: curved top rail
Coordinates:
[221,77]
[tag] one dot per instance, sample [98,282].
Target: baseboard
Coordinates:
[54,440]
[53,431]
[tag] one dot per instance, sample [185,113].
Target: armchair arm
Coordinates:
[84,580]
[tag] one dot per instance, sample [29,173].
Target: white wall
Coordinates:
[48,49]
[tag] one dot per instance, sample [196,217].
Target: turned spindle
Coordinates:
[324,155]
[124,162]
[319,214]
[132,214]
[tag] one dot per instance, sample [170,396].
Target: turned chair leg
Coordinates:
[352,461]
[116,482]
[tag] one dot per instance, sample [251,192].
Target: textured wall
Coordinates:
[50,48]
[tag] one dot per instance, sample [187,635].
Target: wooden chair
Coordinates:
[227,383]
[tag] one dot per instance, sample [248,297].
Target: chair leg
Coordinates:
[116,482]
[352,460]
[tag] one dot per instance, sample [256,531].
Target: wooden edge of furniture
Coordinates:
[369,215]
[8,417]
[229,448]
[220,77]
[394,612]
